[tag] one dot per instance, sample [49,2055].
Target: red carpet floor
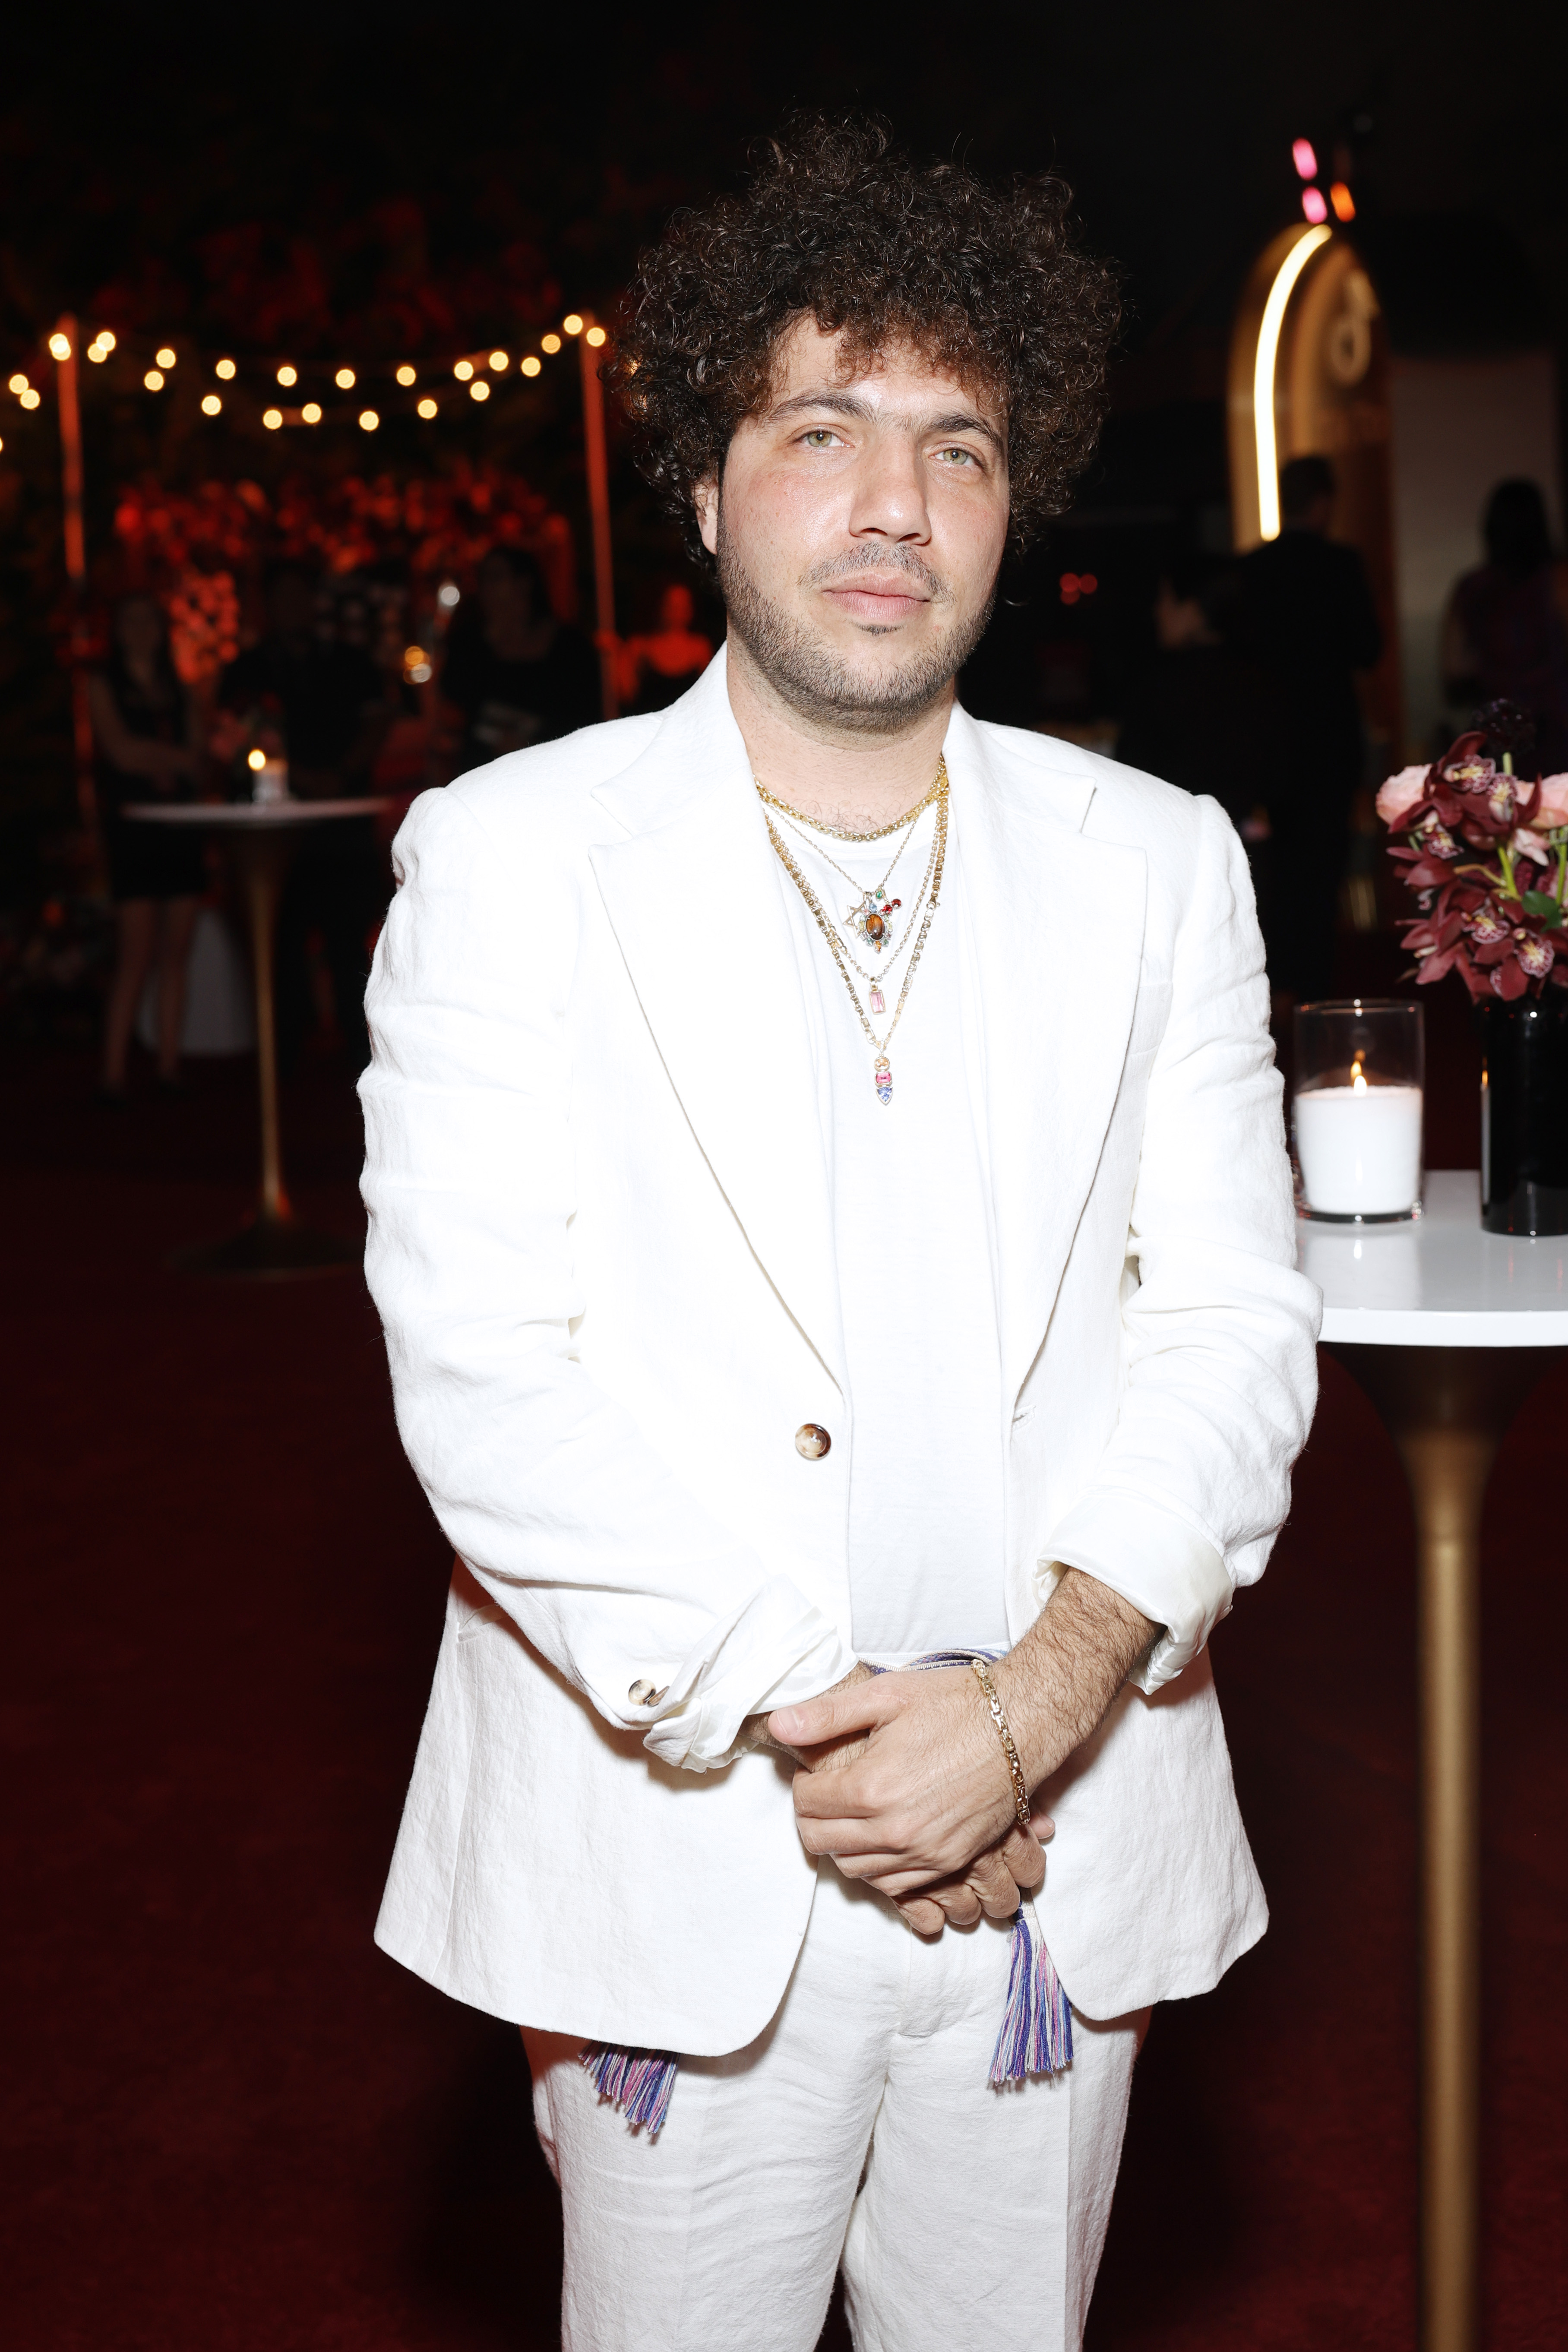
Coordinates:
[231,2126]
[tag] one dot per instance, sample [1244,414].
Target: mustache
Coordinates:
[877,558]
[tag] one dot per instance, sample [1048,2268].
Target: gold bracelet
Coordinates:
[1015,1769]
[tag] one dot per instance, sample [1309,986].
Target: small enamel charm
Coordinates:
[884,1076]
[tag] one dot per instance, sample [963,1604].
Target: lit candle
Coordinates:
[1360,1148]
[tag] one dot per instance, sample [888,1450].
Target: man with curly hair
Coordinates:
[831,1222]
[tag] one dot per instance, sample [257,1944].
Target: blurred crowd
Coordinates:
[1251,697]
[1253,694]
[332,689]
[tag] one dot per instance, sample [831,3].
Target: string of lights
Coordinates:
[427,389]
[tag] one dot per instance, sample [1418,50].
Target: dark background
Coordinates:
[228,2124]
[396,182]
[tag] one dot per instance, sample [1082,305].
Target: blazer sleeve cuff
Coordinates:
[777,1649]
[1155,1560]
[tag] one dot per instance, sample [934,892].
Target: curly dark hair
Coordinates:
[835,224]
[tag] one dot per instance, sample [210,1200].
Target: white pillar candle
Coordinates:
[1360,1149]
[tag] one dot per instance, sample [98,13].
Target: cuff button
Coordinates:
[644,1694]
[812,1440]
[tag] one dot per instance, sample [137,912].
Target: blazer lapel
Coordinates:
[693,896]
[1057,925]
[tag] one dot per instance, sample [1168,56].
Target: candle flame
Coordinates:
[1358,1079]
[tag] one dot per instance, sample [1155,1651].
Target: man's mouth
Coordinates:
[880,600]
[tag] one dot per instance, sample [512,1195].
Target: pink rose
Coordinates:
[1400,794]
[1554,808]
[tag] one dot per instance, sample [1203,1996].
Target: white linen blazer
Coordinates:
[601,1248]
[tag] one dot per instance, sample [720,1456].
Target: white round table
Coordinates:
[1446,1328]
[259,838]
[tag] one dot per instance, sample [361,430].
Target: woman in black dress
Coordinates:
[148,738]
[517,674]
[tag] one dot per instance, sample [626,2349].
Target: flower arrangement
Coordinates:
[1486,851]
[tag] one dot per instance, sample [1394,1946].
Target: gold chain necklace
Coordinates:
[867,918]
[842,833]
[881,1069]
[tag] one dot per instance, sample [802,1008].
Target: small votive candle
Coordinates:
[270,782]
[1359,1086]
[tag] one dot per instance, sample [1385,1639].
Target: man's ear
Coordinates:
[705,500]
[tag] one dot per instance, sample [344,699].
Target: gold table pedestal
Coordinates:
[260,839]
[1447,1410]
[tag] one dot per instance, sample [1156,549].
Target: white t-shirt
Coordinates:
[911,1227]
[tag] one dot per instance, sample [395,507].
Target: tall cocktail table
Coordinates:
[259,838]
[1446,1328]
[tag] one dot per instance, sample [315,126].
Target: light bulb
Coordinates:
[448,594]
[287,374]
[531,366]
[97,353]
[226,370]
[311,414]
[463,371]
[1304,157]
[427,407]
[153,380]
[479,390]
[499,361]
[1343,201]
[369,420]
[572,324]
[1314,205]
[17,383]
[595,336]
[30,399]
[406,375]
[211,405]
[60,347]
[344,378]
[166,357]
[272,418]
[106,339]
[551,343]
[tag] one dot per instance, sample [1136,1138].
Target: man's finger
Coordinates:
[1024,1860]
[854,1707]
[926,1917]
[993,1885]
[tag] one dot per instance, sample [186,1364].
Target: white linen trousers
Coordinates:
[859,2127]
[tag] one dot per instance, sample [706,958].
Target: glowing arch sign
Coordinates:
[1309,376]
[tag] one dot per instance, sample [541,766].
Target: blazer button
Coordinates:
[644,1694]
[812,1440]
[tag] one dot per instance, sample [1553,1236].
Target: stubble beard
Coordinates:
[808,675]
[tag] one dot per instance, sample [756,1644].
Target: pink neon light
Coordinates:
[1314,204]
[1305,158]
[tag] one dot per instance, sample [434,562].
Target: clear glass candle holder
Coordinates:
[1359,1073]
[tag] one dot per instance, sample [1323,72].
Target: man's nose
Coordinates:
[889,495]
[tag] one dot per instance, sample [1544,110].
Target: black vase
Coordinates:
[1524,1114]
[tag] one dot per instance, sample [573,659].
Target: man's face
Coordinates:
[859,527]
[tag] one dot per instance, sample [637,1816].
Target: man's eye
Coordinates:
[958,457]
[819,436]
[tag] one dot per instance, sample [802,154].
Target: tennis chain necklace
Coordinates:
[881,1068]
[869,916]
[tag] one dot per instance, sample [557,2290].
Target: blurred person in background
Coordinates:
[654,670]
[1204,717]
[148,738]
[1301,612]
[329,701]
[1506,632]
[516,673]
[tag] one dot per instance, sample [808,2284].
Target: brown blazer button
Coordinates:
[812,1440]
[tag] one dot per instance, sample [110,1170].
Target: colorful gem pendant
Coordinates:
[879,1003]
[884,1076]
[869,921]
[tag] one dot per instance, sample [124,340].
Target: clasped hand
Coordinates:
[904,1782]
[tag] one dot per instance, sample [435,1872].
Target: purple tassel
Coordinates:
[638,2082]
[1036,2026]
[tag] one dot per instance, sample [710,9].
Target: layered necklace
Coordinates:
[868,917]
